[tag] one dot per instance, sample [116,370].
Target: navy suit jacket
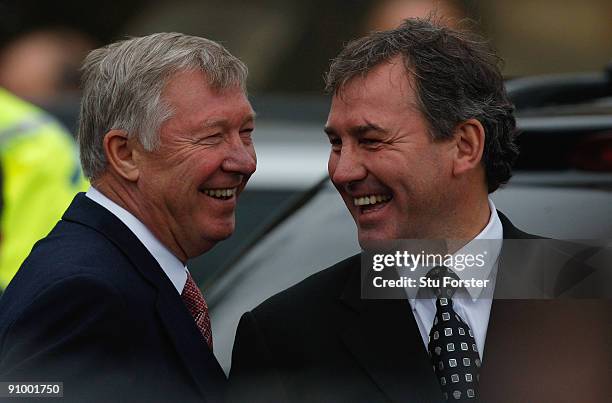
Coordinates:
[91,307]
[319,341]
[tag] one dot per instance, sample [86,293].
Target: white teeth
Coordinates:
[220,193]
[372,199]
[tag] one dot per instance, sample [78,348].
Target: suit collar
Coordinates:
[87,212]
[179,324]
[511,232]
[174,269]
[532,266]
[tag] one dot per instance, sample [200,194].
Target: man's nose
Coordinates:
[346,167]
[241,157]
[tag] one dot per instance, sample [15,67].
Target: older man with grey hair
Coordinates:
[105,303]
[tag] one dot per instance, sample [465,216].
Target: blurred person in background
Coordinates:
[41,174]
[42,65]
[105,303]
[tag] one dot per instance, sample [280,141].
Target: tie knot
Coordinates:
[442,288]
[196,305]
[192,296]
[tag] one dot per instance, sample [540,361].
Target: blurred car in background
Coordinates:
[562,188]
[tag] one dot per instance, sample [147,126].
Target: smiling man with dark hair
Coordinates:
[421,132]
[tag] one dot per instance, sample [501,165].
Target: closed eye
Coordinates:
[211,139]
[335,142]
[369,142]
[246,135]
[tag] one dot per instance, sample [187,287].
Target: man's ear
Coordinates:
[120,154]
[470,139]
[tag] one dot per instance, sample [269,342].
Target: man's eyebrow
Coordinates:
[216,122]
[357,130]
[363,129]
[250,118]
[329,131]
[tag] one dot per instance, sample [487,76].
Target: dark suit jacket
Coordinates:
[91,307]
[320,342]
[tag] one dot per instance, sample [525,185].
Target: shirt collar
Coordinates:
[174,269]
[490,239]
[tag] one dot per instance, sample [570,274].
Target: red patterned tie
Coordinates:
[194,301]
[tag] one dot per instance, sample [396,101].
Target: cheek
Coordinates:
[204,168]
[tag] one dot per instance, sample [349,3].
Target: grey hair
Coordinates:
[456,77]
[123,84]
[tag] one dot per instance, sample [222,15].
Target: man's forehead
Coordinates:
[198,109]
[389,78]
[382,99]
[196,79]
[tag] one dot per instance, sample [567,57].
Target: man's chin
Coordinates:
[209,242]
[223,234]
[215,234]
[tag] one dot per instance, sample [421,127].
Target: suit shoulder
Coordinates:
[72,297]
[74,245]
[70,251]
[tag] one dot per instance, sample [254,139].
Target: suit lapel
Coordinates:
[202,364]
[198,359]
[384,338]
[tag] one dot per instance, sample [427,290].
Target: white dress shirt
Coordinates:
[174,269]
[472,304]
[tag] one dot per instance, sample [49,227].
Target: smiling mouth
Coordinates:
[223,194]
[371,202]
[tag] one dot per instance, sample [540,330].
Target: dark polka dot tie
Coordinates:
[196,305]
[452,347]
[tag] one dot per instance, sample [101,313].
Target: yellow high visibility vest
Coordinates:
[41,174]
